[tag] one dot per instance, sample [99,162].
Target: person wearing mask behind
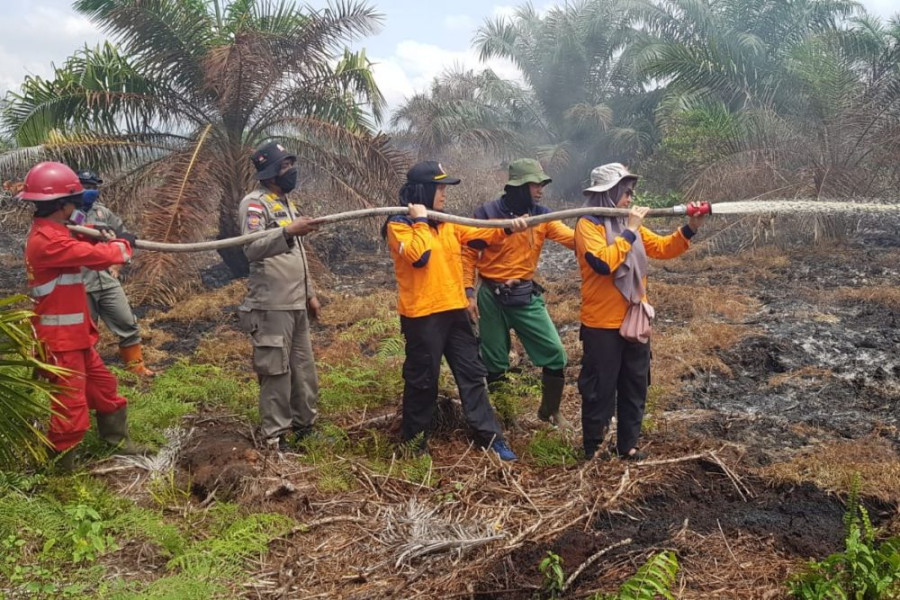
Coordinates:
[612,255]
[106,298]
[280,301]
[432,305]
[508,297]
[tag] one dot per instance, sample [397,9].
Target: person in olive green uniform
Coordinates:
[281,299]
[106,298]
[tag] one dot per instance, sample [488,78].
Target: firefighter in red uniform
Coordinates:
[53,261]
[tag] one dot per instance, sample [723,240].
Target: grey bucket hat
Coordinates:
[605,177]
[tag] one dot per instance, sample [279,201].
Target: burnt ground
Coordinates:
[817,362]
[792,522]
[824,352]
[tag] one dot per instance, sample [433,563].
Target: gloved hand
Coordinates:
[128,237]
[108,232]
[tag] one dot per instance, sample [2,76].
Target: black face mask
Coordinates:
[287,181]
[518,199]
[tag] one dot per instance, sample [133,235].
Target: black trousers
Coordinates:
[448,334]
[614,377]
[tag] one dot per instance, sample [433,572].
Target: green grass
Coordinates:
[655,395]
[55,535]
[173,587]
[180,390]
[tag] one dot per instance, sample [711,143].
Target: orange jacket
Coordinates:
[53,262]
[428,263]
[517,257]
[602,305]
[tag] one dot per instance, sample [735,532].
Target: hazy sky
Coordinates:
[418,40]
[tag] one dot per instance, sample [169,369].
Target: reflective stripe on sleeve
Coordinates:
[125,256]
[39,291]
[59,320]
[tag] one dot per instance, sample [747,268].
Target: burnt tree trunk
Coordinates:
[234,258]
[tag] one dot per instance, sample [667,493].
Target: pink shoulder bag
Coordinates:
[636,326]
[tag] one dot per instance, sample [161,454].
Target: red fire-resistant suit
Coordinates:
[53,261]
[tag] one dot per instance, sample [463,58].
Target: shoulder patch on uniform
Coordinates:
[255,207]
[253,221]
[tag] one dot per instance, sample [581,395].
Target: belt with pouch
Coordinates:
[518,294]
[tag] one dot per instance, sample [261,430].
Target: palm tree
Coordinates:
[773,97]
[176,107]
[730,51]
[463,110]
[592,108]
[840,134]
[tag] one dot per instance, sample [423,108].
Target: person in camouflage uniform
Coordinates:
[106,298]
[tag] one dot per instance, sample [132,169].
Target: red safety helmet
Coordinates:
[50,181]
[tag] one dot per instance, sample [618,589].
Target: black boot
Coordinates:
[113,429]
[495,381]
[551,397]
[64,462]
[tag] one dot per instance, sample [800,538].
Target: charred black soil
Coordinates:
[697,501]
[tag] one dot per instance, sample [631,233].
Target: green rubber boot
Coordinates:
[113,429]
[551,397]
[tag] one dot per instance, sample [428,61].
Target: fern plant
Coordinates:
[551,449]
[654,579]
[865,570]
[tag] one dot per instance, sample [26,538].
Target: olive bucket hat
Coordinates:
[526,170]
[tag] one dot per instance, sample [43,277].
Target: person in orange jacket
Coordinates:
[62,322]
[432,305]
[509,298]
[612,256]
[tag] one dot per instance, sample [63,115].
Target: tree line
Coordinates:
[707,98]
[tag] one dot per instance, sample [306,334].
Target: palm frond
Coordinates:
[24,399]
[178,211]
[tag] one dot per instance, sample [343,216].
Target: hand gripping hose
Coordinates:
[703,208]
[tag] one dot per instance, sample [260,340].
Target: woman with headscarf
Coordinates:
[432,305]
[612,255]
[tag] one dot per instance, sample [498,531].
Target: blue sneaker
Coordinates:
[504,451]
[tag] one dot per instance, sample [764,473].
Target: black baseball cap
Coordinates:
[88,176]
[430,171]
[267,160]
